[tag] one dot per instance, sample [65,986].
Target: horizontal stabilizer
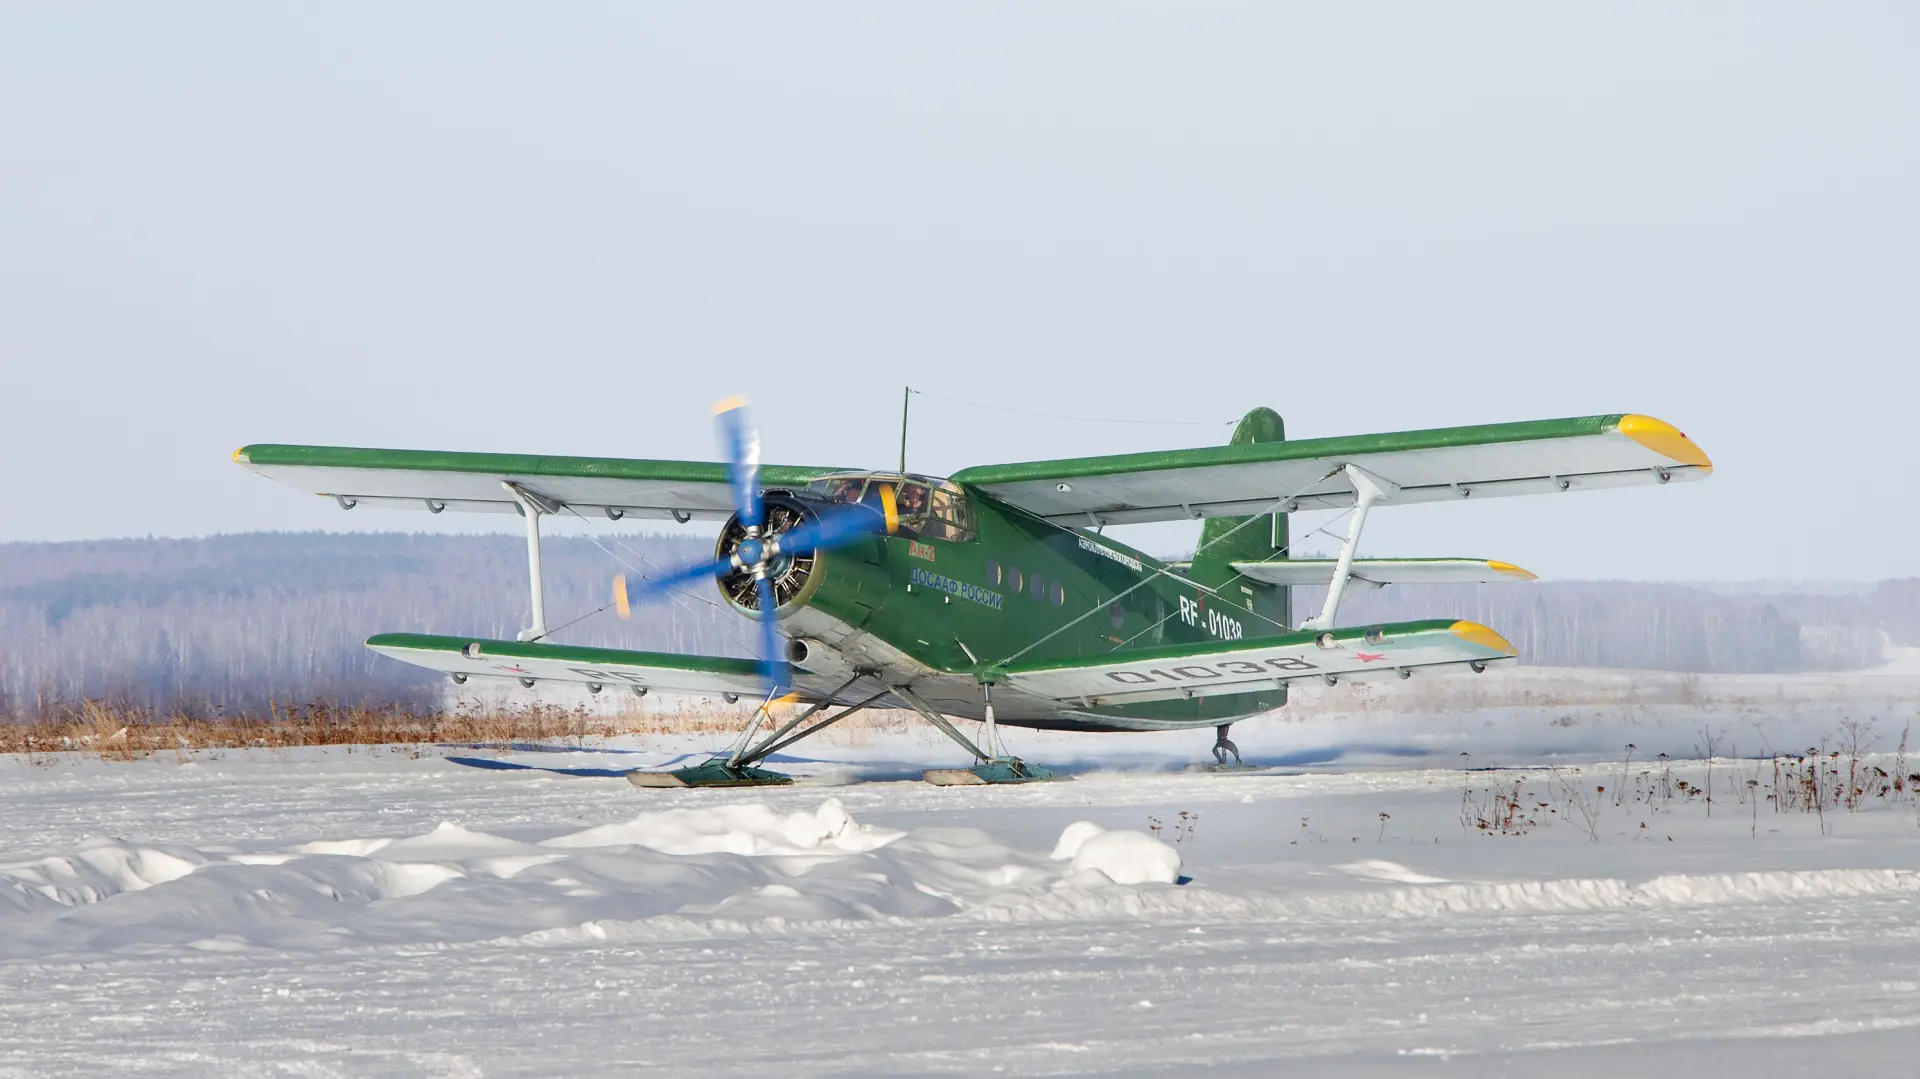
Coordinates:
[1384,571]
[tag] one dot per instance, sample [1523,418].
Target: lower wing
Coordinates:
[1220,667]
[667,672]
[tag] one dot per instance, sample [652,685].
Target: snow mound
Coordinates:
[1381,869]
[663,874]
[746,830]
[1123,857]
[1076,834]
[450,840]
[99,869]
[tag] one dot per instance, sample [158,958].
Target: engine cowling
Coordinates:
[794,576]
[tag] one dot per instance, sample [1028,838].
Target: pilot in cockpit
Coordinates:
[843,490]
[912,501]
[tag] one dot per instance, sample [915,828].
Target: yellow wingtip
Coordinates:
[1664,438]
[1512,570]
[1475,633]
[240,456]
[728,404]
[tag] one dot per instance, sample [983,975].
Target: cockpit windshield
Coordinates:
[927,507]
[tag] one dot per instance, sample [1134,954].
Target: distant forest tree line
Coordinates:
[231,623]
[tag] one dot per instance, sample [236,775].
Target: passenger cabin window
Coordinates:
[927,508]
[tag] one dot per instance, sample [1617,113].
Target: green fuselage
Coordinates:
[1022,588]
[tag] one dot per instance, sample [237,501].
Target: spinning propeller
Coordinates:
[765,540]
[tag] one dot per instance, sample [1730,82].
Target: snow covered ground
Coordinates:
[470,912]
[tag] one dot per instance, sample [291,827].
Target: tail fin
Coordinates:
[1248,539]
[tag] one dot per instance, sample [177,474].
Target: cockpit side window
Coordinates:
[838,488]
[933,509]
[950,517]
[878,492]
[911,502]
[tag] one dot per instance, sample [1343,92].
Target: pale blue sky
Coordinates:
[569,228]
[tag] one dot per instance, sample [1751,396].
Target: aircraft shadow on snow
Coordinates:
[887,771]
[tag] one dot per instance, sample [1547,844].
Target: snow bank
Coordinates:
[98,870]
[746,830]
[1439,900]
[726,869]
[671,872]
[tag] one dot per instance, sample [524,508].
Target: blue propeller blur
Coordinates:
[757,552]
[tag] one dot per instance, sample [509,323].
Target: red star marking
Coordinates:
[515,669]
[1369,657]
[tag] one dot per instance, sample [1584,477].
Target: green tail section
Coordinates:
[1261,539]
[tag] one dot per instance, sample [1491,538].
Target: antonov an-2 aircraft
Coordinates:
[992,595]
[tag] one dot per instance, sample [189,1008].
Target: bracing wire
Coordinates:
[727,626]
[1077,419]
[548,634]
[1171,615]
[1160,571]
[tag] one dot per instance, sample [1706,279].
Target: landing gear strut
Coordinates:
[737,767]
[1222,746]
[987,766]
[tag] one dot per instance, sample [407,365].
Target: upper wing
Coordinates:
[1384,571]
[1540,456]
[1218,667]
[466,657]
[434,480]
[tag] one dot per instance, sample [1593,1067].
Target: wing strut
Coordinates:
[531,507]
[1367,489]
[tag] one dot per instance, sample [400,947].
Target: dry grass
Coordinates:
[125,732]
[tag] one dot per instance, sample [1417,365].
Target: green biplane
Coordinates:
[992,595]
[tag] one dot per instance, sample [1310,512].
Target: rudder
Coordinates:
[1264,538]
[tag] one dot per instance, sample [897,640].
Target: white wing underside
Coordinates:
[1635,451]
[1249,666]
[1384,571]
